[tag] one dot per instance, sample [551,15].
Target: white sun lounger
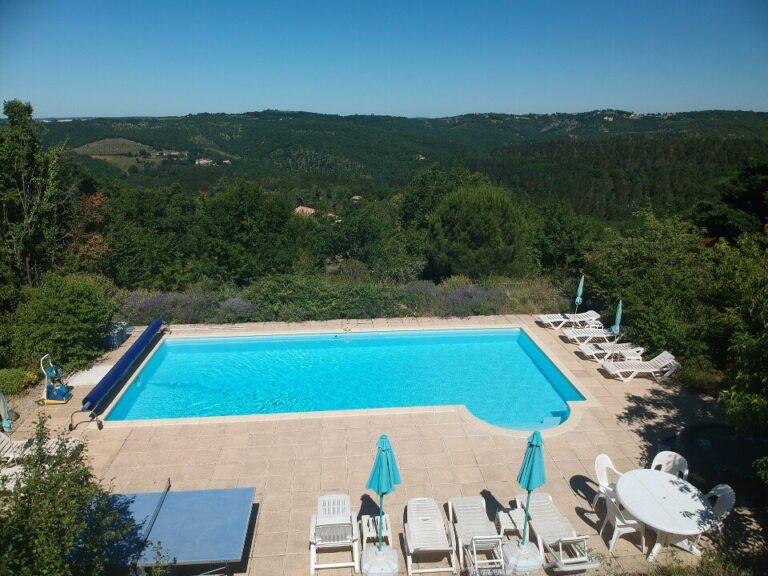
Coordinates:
[9,477]
[557,536]
[660,368]
[12,450]
[333,527]
[585,335]
[580,320]
[475,532]
[601,352]
[425,533]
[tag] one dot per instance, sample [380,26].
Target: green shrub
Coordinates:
[529,296]
[66,316]
[748,412]
[352,271]
[58,519]
[457,281]
[298,298]
[15,380]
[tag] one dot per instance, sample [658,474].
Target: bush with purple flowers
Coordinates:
[177,307]
[472,301]
[421,297]
[234,310]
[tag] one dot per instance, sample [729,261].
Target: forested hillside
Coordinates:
[611,157]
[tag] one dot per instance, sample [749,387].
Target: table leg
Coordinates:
[656,549]
[687,545]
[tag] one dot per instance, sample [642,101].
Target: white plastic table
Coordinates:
[371,530]
[672,507]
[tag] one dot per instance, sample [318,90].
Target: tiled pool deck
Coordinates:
[442,452]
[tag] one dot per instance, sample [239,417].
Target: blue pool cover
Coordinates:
[122,367]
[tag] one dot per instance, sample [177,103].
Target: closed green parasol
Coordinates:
[384,476]
[532,473]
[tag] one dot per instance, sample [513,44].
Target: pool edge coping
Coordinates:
[192,331]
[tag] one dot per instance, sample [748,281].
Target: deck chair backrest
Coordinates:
[724,500]
[662,360]
[333,505]
[671,462]
[425,527]
[469,508]
[6,446]
[603,464]
[423,508]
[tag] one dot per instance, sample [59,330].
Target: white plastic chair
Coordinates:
[605,487]
[671,462]
[623,523]
[333,527]
[723,499]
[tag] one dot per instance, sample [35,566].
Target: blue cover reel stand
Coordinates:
[106,389]
[55,392]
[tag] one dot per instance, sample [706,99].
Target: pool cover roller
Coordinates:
[120,372]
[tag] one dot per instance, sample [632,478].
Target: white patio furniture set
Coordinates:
[622,360]
[660,499]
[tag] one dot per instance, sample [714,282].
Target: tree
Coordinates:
[666,276]
[153,237]
[373,233]
[244,231]
[565,238]
[36,202]
[59,520]
[747,269]
[480,231]
[427,190]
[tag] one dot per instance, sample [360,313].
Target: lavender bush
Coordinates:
[421,297]
[472,301]
[177,307]
[234,310]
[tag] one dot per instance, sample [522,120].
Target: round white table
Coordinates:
[670,506]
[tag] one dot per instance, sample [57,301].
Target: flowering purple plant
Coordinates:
[420,296]
[472,300]
[176,307]
[234,310]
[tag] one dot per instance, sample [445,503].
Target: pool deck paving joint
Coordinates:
[443,452]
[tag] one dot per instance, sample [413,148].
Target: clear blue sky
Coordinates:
[413,58]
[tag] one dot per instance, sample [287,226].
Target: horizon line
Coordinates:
[277,110]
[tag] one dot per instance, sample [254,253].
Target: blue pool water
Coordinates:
[501,376]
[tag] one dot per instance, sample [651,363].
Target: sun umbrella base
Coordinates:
[521,560]
[382,563]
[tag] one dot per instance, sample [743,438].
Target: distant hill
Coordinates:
[384,149]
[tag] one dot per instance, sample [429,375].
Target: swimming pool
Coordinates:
[501,376]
